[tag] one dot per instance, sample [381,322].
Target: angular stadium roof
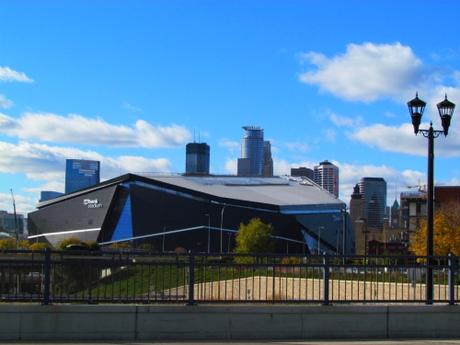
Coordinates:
[282,192]
[268,190]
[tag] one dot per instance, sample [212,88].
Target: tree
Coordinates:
[446,232]
[254,237]
[39,246]
[68,241]
[11,243]
[7,243]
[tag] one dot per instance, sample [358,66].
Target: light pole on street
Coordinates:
[446,110]
[365,231]
[209,232]
[222,227]
[319,238]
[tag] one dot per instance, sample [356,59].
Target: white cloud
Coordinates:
[233,147]
[391,138]
[343,121]
[365,72]
[43,162]
[330,134]
[7,74]
[281,167]
[350,175]
[297,147]
[130,107]
[454,181]
[55,186]
[402,139]
[231,166]
[46,163]
[229,144]
[76,129]
[5,103]
[24,203]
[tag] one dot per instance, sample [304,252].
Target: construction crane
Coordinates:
[418,186]
[15,217]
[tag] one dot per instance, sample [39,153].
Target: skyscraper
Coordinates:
[197,159]
[326,175]
[268,161]
[356,204]
[374,191]
[251,162]
[46,195]
[302,172]
[80,174]
[10,223]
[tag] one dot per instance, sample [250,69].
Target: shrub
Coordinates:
[39,246]
[70,240]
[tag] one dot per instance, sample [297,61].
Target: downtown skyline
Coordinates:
[130,84]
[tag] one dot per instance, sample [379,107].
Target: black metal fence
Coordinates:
[140,277]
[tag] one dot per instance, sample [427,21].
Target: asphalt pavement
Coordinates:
[256,342]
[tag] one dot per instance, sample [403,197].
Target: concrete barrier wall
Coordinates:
[129,322]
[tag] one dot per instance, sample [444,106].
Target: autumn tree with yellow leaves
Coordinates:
[446,232]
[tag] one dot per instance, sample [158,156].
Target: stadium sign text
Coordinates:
[92,203]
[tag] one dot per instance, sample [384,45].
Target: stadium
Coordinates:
[196,213]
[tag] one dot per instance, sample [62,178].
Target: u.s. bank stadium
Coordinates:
[197,213]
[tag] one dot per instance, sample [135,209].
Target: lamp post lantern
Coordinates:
[446,110]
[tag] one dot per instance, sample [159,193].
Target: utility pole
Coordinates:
[16,231]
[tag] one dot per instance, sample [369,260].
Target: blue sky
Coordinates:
[130,83]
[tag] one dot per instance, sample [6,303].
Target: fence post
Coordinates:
[47,273]
[452,266]
[325,279]
[191,279]
[273,280]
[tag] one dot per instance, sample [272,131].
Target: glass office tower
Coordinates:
[251,162]
[46,195]
[197,159]
[374,191]
[80,174]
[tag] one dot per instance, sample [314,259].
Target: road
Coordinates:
[267,342]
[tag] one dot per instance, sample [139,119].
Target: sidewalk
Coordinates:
[313,342]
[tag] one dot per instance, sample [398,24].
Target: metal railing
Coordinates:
[139,277]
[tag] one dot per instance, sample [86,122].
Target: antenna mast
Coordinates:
[15,217]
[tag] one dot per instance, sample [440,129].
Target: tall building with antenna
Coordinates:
[197,159]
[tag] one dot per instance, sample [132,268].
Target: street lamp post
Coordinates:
[344,217]
[221,226]
[366,240]
[319,238]
[446,110]
[365,231]
[209,232]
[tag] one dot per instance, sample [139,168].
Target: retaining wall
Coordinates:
[217,322]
